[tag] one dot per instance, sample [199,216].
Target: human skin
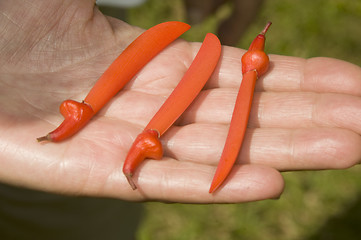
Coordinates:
[305,114]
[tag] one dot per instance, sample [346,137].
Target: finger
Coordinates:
[174,181]
[314,75]
[303,149]
[291,74]
[332,75]
[283,149]
[296,110]
[279,110]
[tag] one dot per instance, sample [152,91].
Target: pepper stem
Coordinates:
[266,28]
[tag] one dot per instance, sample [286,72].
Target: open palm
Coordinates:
[305,113]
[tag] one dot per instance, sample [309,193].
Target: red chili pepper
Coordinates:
[255,62]
[120,72]
[147,144]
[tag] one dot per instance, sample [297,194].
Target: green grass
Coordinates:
[311,200]
[305,28]
[315,205]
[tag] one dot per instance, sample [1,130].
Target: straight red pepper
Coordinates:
[120,72]
[255,62]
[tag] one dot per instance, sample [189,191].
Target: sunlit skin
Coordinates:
[305,113]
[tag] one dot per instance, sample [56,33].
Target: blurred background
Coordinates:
[302,28]
[315,205]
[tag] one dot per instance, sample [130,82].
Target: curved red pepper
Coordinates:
[119,73]
[255,62]
[186,91]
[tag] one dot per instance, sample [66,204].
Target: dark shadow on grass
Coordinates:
[344,226]
[28,214]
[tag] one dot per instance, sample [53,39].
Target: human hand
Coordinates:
[305,113]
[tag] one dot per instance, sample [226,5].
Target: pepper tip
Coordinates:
[213,188]
[44,138]
[130,180]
